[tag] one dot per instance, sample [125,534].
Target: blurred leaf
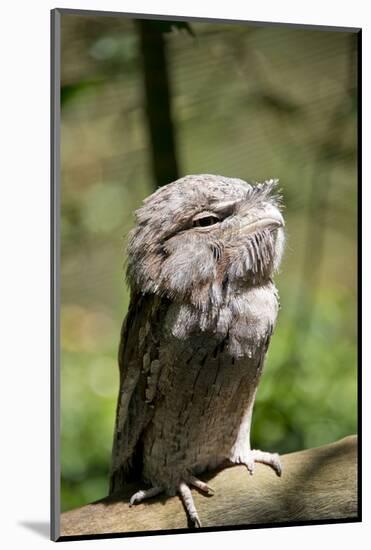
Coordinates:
[334,151]
[122,47]
[275,103]
[72,91]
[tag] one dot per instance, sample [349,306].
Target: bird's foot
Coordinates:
[184,493]
[187,499]
[201,485]
[250,457]
[139,496]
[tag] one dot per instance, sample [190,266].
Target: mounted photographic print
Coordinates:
[204,280]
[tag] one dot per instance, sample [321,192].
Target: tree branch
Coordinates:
[317,484]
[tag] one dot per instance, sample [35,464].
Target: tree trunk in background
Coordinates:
[158,102]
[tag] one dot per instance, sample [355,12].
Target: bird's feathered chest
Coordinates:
[212,365]
[187,379]
[241,322]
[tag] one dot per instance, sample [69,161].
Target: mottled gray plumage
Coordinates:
[203,307]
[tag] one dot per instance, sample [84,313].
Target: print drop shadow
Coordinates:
[41,528]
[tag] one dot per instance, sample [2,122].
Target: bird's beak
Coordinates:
[273,220]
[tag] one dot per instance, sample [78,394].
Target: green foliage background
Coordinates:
[249,102]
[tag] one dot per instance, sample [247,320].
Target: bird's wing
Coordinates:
[139,372]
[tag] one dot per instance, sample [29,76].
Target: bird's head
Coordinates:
[203,236]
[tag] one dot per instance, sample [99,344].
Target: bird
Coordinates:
[200,264]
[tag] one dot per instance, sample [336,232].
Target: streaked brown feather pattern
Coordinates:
[202,311]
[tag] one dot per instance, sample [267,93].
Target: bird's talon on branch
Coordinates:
[195,522]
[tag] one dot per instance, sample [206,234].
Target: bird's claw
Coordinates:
[251,457]
[141,495]
[185,495]
[194,522]
[187,499]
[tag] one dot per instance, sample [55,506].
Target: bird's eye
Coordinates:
[205,221]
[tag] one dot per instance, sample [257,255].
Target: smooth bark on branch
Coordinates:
[316,484]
